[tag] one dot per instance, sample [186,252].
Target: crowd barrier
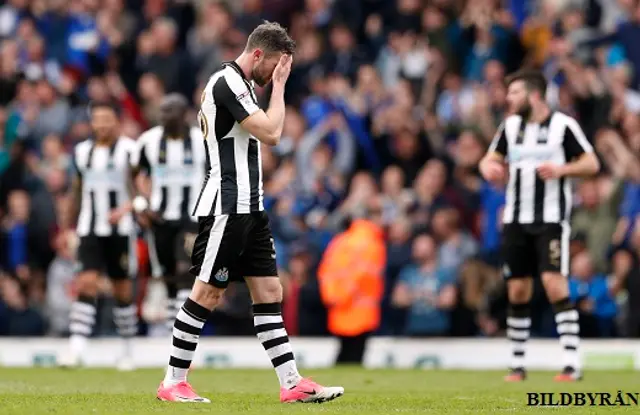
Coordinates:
[464,354]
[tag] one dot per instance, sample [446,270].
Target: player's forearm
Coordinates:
[76,199]
[276,112]
[587,165]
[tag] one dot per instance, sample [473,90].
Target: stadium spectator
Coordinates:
[592,295]
[477,282]
[60,275]
[16,236]
[427,289]
[16,316]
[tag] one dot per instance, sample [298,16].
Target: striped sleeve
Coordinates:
[499,142]
[575,143]
[74,163]
[231,92]
[139,157]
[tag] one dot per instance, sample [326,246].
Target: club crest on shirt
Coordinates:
[222,275]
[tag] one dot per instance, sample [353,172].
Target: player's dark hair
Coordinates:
[94,105]
[271,38]
[534,80]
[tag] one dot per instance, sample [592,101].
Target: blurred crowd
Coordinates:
[391,105]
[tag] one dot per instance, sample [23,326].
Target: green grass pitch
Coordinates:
[371,392]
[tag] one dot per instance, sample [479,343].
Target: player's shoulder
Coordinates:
[224,73]
[127,142]
[84,145]
[232,78]
[564,118]
[153,133]
[512,119]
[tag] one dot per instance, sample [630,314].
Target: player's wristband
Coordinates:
[140,204]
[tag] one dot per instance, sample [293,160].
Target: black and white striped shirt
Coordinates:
[105,174]
[176,167]
[234,176]
[530,199]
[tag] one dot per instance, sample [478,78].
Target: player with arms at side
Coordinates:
[544,150]
[171,162]
[235,240]
[103,189]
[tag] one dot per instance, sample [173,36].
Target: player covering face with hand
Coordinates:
[234,240]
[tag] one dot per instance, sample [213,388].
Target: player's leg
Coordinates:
[183,249]
[517,269]
[554,261]
[119,255]
[82,317]
[258,263]
[186,333]
[215,251]
[162,241]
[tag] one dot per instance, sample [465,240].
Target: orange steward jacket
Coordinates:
[351,279]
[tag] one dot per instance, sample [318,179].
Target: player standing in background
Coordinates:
[172,156]
[105,225]
[235,240]
[544,149]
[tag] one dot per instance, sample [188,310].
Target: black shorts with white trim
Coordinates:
[531,249]
[231,247]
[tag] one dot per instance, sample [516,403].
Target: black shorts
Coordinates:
[231,247]
[112,255]
[170,245]
[529,250]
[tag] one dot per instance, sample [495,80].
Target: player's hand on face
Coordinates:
[283,69]
[549,171]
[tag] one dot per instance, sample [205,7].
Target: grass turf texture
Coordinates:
[97,391]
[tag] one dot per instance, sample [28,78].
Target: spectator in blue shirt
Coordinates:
[492,200]
[592,294]
[426,290]
[15,234]
[629,210]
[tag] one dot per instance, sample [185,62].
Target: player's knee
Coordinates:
[266,290]
[87,283]
[206,295]
[123,290]
[555,285]
[520,291]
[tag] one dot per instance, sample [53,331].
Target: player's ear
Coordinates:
[257,54]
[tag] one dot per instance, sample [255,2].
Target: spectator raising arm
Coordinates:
[344,156]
